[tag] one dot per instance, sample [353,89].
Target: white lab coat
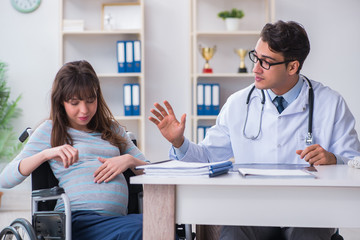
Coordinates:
[281,134]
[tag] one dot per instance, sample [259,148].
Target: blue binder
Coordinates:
[135,99]
[120,51]
[200,99]
[129,56]
[127,100]
[207,99]
[137,56]
[215,99]
[200,133]
[206,128]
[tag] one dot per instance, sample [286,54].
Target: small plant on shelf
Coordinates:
[234,13]
[232,18]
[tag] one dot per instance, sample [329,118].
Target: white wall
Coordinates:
[334,30]
[29,44]
[167,66]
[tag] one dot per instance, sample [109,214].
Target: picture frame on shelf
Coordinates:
[121,16]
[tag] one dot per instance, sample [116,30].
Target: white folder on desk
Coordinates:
[287,173]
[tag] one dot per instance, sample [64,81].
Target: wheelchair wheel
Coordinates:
[24,229]
[9,233]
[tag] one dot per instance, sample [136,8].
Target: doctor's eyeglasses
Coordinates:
[263,63]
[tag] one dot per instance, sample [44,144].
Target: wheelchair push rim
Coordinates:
[19,229]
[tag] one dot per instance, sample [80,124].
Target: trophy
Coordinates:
[242,54]
[207,53]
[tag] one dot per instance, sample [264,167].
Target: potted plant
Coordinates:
[9,143]
[232,18]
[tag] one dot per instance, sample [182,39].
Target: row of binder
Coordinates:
[208,99]
[129,56]
[201,132]
[131,99]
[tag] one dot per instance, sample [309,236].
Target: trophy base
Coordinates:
[242,70]
[207,70]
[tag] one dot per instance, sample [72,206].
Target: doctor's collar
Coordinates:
[290,95]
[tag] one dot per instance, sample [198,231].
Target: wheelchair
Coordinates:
[48,224]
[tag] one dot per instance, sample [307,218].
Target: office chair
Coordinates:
[50,224]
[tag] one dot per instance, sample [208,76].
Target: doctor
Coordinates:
[276,131]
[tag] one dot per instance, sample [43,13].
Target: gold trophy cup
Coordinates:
[207,53]
[242,54]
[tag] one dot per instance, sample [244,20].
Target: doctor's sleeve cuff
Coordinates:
[179,153]
[340,160]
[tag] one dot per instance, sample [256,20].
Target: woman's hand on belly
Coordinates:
[111,167]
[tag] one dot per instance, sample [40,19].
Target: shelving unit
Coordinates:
[98,47]
[208,30]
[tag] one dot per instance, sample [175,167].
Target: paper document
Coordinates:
[179,168]
[252,172]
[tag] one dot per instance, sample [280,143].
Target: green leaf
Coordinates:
[9,144]
[234,13]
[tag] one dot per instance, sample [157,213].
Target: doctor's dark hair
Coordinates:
[78,80]
[288,38]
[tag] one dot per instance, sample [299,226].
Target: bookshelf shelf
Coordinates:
[81,38]
[207,30]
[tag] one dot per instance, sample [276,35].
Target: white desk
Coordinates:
[331,200]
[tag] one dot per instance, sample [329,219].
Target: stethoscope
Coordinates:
[309,137]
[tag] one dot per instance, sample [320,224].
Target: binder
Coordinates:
[137,56]
[215,98]
[120,51]
[200,99]
[135,99]
[207,99]
[129,56]
[200,133]
[206,128]
[127,100]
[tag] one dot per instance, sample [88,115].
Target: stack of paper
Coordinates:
[179,168]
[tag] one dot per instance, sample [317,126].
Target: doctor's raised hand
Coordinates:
[169,126]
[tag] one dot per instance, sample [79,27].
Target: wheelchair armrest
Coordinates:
[46,195]
[49,192]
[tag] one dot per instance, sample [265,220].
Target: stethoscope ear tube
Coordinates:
[309,137]
[247,113]
[249,95]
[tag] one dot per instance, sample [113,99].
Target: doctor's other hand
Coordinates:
[316,155]
[169,126]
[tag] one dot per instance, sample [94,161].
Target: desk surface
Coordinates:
[332,175]
[330,200]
